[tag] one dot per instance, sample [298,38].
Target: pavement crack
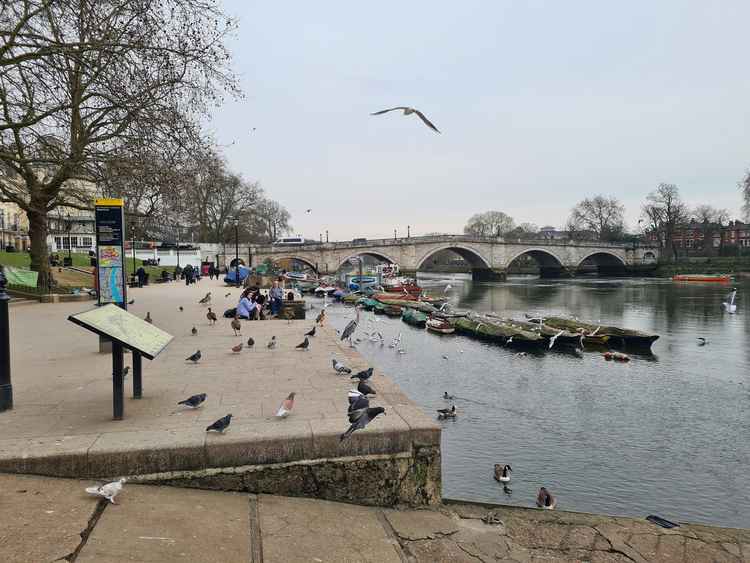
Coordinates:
[460,546]
[399,545]
[256,537]
[86,532]
[612,549]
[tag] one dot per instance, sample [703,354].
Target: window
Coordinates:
[73,241]
[58,242]
[86,241]
[66,243]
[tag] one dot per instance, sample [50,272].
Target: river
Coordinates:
[665,434]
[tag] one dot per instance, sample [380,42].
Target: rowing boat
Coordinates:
[624,337]
[498,331]
[441,326]
[414,317]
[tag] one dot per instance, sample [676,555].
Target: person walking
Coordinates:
[141,274]
[188,273]
[276,295]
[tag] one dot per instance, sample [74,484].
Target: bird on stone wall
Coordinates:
[108,491]
[286,406]
[194,358]
[339,367]
[220,425]
[363,375]
[361,418]
[365,389]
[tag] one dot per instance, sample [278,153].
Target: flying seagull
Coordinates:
[361,418]
[409,111]
[108,491]
[194,401]
[286,406]
[221,424]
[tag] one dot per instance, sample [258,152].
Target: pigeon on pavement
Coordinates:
[365,389]
[357,401]
[221,424]
[206,300]
[361,418]
[194,358]
[194,331]
[363,375]
[321,317]
[250,342]
[211,316]
[108,491]
[131,301]
[304,345]
[194,401]
[286,406]
[181,308]
[339,367]
[227,295]
[311,332]
[237,349]
[237,326]
[272,343]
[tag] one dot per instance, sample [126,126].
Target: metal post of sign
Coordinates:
[118,389]
[137,372]
[6,387]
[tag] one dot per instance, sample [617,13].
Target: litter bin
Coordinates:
[67,262]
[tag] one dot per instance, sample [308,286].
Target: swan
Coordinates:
[729,305]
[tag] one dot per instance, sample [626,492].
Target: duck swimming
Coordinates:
[545,500]
[447,413]
[502,473]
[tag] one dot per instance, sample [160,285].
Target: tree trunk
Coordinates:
[38,229]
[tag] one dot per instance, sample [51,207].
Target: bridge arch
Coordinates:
[371,253]
[607,263]
[305,261]
[550,265]
[480,266]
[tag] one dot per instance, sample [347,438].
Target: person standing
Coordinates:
[276,294]
[188,273]
[141,274]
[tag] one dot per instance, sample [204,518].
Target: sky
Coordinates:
[540,104]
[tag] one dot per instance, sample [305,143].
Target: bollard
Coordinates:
[6,388]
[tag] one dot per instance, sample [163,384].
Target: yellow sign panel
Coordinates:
[114,202]
[131,331]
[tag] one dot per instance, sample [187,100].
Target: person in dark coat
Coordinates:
[141,274]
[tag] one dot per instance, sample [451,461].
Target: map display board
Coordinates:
[110,251]
[132,332]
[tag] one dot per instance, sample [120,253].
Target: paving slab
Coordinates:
[305,530]
[41,518]
[159,524]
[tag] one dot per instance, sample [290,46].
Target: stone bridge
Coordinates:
[489,258]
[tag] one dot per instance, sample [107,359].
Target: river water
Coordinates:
[665,434]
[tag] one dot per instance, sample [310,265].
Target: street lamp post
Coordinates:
[394,234]
[178,245]
[69,229]
[408,231]
[237,249]
[6,388]
[132,242]
[326,235]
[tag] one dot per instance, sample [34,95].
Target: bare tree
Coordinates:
[271,219]
[82,79]
[489,224]
[745,189]
[602,216]
[665,212]
[711,220]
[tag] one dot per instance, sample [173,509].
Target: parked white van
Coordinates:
[290,240]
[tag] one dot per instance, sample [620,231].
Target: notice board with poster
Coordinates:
[110,251]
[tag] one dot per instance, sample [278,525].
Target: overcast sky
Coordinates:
[540,104]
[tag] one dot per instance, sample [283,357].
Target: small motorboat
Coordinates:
[716,278]
[441,326]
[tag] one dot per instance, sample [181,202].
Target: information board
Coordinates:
[110,251]
[132,332]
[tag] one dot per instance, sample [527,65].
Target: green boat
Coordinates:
[414,317]
[498,331]
[379,308]
[367,303]
[616,336]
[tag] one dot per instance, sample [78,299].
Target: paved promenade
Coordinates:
[62,424]
[45,519]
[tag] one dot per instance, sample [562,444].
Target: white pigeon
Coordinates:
[108,491]
[729,305]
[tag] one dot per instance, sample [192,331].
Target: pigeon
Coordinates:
[148,318]
[194,401]
[227,295]
[194,331]
[702,341]
[304,345]
[308,211]
[286,406]
[339,367]
[448,397]
[365,389]
[409,111]
[250,342]
[321,317]
[311,332]
[545,500]
[131,301]
[108,491]
[363,375]
[181,308]
[552,339]
[272,343]
[357,401]
[361,418]
[237,349]
[211,316]
[194,358]
[206,300]
[447,413]
[221,424]
[237,326]
[125,371]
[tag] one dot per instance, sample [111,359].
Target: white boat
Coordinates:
[325,290]
[440,326]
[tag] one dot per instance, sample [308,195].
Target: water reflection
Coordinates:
[666,433]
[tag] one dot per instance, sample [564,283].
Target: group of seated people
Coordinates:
[252,302]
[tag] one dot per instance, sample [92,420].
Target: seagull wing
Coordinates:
[426,121]
[382,111]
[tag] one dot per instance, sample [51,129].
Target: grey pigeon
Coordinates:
[131,301]
[360,419]
[339,367]
[311,332]
[194,401]
[125,371]
[272,343]
[304,345]
[250,342]
[365,389]
[194,358]
[363,375]
[194,331]
[221,424]
[357,401]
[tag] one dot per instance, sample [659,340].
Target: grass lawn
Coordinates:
[71,278]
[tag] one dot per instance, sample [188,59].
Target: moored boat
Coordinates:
[617,336]
[414,317]
[720,278]
[393,310]
[441,326]
[498,331]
